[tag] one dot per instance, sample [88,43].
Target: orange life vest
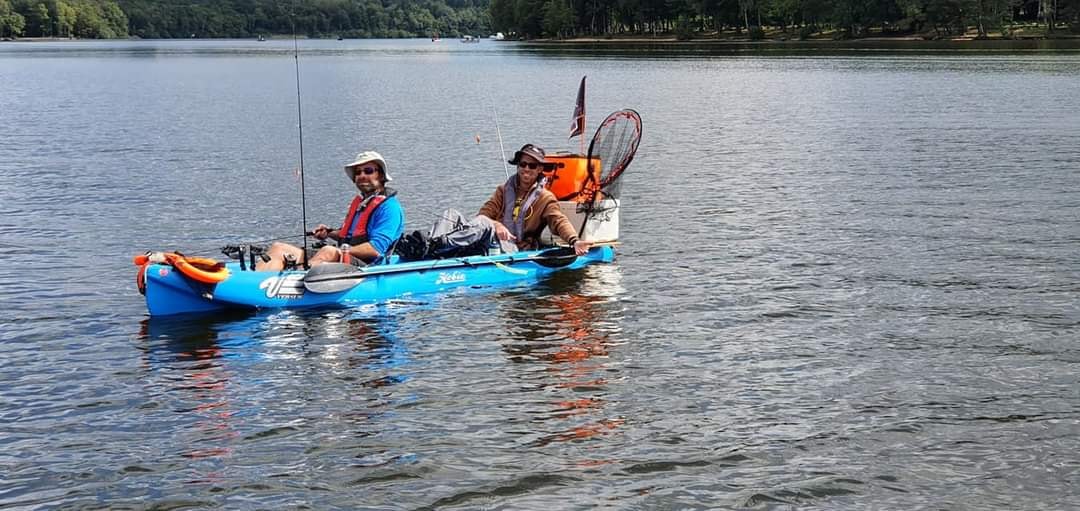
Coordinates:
[364,208]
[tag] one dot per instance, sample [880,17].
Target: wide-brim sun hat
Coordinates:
[367,157]
[528,150]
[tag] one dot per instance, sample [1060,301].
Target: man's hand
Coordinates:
[581,247]
[503,233]
[321,232]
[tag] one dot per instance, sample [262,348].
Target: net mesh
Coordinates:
[614,145]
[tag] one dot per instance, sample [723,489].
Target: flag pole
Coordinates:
[578,127]
[581,137]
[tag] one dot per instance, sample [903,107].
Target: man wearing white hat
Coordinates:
[374,222]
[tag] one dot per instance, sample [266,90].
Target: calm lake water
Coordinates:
[846,282]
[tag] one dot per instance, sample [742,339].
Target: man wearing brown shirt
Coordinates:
[520,208]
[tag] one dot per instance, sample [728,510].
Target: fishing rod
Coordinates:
[498,131]
[300,127]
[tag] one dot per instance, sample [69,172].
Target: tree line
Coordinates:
[90,19]
[529,19]
[243,18]
[790,18]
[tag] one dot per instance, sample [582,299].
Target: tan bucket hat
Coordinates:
[366,157]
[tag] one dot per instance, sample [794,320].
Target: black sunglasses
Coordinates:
[529,166]
[367,171]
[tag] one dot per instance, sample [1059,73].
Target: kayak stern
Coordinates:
[169,292]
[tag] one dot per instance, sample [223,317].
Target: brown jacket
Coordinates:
[544,212]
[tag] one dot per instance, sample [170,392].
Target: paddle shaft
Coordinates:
[439,264]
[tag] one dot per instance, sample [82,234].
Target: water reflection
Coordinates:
[368,346]
[181,339]
[225,382]
[185,359]
[570,331]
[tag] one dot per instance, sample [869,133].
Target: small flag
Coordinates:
[577,126]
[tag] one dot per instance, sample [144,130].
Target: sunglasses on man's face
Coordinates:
[530,166]
[367,171]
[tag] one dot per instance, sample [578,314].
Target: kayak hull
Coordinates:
[168,292]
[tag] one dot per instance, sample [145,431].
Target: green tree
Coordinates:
[785,12]
[36,17]
[64,16]
[42,20]
[502,15]
[558,18]
[745,6]
[11,22]
[1070,13]
[991,14]
[529,17]
[96,19]
[115,18]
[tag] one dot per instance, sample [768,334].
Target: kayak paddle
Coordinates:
[332,278]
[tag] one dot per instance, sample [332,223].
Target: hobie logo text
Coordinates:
[450,277]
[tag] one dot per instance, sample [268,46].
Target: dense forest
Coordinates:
[242,18]
[840,19]
[683,19]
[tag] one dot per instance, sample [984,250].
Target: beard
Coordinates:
[367,188]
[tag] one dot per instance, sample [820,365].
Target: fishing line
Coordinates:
[498,132]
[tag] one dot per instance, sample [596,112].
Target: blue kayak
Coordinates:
[169,292]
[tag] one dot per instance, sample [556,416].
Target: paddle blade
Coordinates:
[332,278]
[614,145]
[555,257]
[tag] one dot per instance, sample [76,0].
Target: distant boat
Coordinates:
[470,39]
[498,36]
[261,39]
[339,38]
[435,38]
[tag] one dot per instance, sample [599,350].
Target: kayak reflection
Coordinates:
[572,333]
[215,384]
[368,346]
[190,366]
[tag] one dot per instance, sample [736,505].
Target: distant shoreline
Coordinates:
[1060,41]
[869,44]
[671,39]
